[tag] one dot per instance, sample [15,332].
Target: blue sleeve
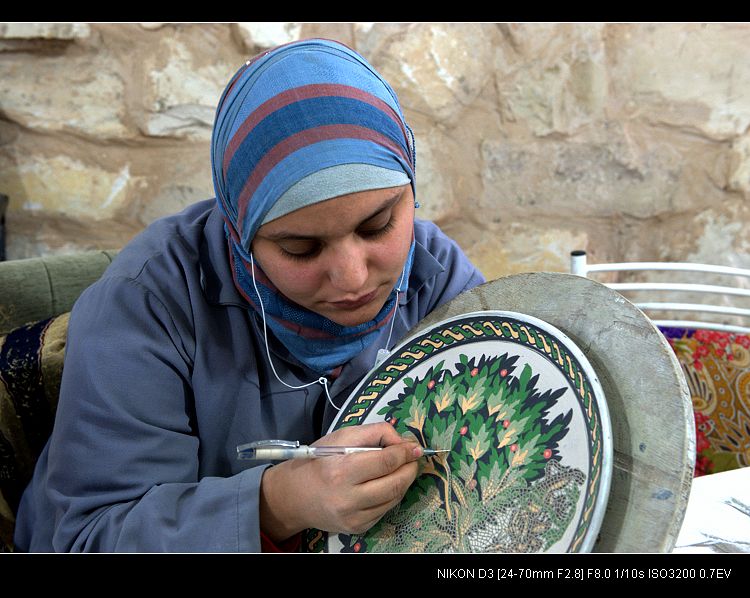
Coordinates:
[123,460]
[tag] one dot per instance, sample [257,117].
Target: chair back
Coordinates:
[710,335]
[712,306]
[36,288]
[36,295]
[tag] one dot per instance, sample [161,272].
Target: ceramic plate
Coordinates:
[525,419]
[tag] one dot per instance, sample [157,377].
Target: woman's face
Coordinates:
[342,257]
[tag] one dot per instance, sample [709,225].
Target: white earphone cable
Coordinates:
[322,380]
[382,353]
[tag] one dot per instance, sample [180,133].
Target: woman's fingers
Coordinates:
[377,464]
[388,489]
[345,493]
[368,502]
[396,452]
[383,479]
[380,434]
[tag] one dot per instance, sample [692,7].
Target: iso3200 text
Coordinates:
[585,573]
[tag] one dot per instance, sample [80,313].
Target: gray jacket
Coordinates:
[165,374]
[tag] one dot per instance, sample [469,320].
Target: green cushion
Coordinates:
[31,361]
[37,288]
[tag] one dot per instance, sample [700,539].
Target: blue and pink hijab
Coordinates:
[299,124]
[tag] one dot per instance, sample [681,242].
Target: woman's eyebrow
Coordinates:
[294,236]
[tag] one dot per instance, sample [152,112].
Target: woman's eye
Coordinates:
[374,233]
[306,250]
[300,252]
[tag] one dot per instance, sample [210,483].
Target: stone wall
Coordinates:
[629,140]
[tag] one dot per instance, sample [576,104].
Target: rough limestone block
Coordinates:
[181,97]
[60,31]
[437,69]
[267,35]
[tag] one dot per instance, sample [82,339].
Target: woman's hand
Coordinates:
[339,494]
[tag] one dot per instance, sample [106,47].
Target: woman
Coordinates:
[249,317]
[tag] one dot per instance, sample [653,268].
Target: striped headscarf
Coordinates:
[298,124]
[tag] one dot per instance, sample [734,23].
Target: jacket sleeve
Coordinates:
[123,462]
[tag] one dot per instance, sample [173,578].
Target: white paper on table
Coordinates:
[717,518]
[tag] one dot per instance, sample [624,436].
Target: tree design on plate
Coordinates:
[502,487]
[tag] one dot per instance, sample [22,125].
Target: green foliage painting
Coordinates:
[501,488]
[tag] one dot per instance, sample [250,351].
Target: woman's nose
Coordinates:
[347,269]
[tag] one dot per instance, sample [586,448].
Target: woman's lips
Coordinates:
[355,303]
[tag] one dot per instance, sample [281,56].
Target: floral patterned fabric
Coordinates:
[717,369]
[31,359]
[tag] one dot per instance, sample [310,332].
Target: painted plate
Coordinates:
[526,421]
